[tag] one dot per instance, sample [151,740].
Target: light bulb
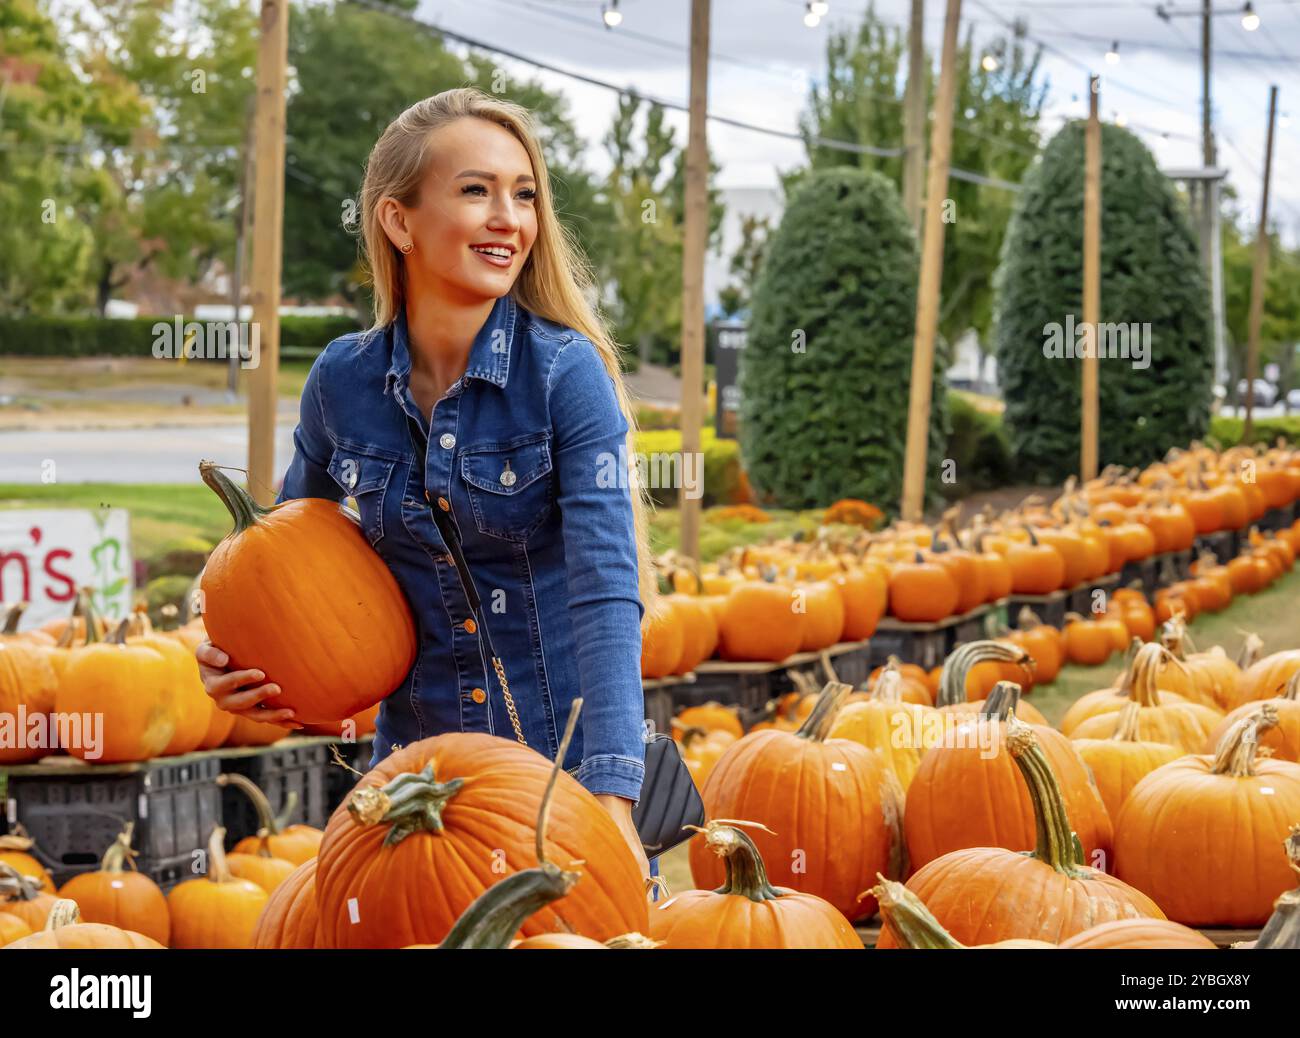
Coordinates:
[989,63]
[819,7]
[1249,19]
[1112,55]
[612,15]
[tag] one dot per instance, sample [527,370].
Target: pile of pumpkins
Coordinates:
[767,602]
[1122,809]
[145,682]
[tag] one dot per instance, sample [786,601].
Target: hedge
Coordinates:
[825,373]
[135,336]
[978,448]
[723,481]
[1151,278]
[1226,430]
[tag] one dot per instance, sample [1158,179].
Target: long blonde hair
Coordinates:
[554,276]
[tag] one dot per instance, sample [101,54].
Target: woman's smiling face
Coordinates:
[475,222]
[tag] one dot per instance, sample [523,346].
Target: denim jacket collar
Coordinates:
[489,357]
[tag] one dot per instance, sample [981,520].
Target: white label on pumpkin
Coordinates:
[1266,791]
[666,903]
[839,765]
[142,806]
[354,911]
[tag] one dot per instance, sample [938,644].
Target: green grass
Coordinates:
[164,517]
[716,537]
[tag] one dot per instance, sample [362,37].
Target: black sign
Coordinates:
[728,340]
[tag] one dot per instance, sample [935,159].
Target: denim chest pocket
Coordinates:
[510,485]
[364,474]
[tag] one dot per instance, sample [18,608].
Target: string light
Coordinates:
[1112,55]
[612,15]
[989,63]
[811,18]
[819,7]
[1249,19]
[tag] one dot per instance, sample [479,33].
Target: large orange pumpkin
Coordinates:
[699,631]
[746,910]
[218,910]
[1169,838]
[809,790]
[865,593]
[1265,678]
[115,897]
[289,919]
[1118,763]
[823,610]
[760,622]
[23,897]
[663,642]
[1284,739]
[912,925]
[28,683]
[64,931]
[1146,934]
[297,592]
[922,591]
[441,820]
[1056,894]
[968,792]
[885,723]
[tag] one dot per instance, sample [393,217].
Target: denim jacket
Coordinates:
[519,449]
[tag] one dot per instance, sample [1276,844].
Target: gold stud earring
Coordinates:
[408,248]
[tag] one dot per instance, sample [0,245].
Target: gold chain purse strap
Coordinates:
[448,530]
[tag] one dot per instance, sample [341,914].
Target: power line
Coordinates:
[807,139]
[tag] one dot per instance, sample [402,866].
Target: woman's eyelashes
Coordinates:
[527,194]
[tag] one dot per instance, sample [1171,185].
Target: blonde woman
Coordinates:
[487,389]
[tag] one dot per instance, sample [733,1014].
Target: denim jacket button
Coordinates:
[444,504]
[478,695]
[470,626]
[447,441]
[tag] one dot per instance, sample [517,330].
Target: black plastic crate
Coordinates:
[1050,609]
[1278,518]
[1143,570]
[1222,544]
[969,627]
[339,781]
[293,766]
[73,813]
[926,645]
[746,686]
[1082,596]
[659,706]
[1173,566]
[852,662]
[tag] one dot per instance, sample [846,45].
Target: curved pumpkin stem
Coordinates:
[119,852]
[12,617]
[1056,845]
[818,724]
[218,867]
[746,873]
[14,886]
[1236,752]
[632,940]
[889,684]
[1250,650]
[63,912]
[119,633]
[243,509]
[1283,927]
[495,916]
[956,668]
[92,619]
[1002,701]
[912,924]
[138,622]
[1142,678]
[267,824]
[1292,690]
[1126,727]
[412,802]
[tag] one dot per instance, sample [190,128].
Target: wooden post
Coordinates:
[927,299]
[693,243]
[1259,277]
[914,118]
[1089,407]
[242,226]
[268,246]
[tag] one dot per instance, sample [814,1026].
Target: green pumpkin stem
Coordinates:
[243,509]
[1056,845]
[746,873]
[495,916]
[817,726]
[1236,752]
[92,619]
[956,668]
[912,924]
[413,802]
[119,853]
[1002,701]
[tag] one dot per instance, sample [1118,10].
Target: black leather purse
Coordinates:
[669,800]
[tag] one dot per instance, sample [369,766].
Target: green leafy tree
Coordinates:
[824,375]
[995,134]
[1150,275]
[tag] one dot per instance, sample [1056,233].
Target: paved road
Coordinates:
[154,455]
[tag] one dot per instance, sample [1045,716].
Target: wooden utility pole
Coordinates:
[927,298]
[914,118]
[242,226]
[694,239]
[1090,409]
[268,245]
[1207,142]
[1259,276]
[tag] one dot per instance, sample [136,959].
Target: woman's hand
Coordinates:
[621,811]
[237,691]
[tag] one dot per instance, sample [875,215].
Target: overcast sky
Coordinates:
[763,56]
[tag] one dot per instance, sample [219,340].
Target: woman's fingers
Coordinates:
[238,691]
[209,655]
[284,718]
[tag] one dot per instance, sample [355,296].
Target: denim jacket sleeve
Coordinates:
[600,550]
[308,472]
